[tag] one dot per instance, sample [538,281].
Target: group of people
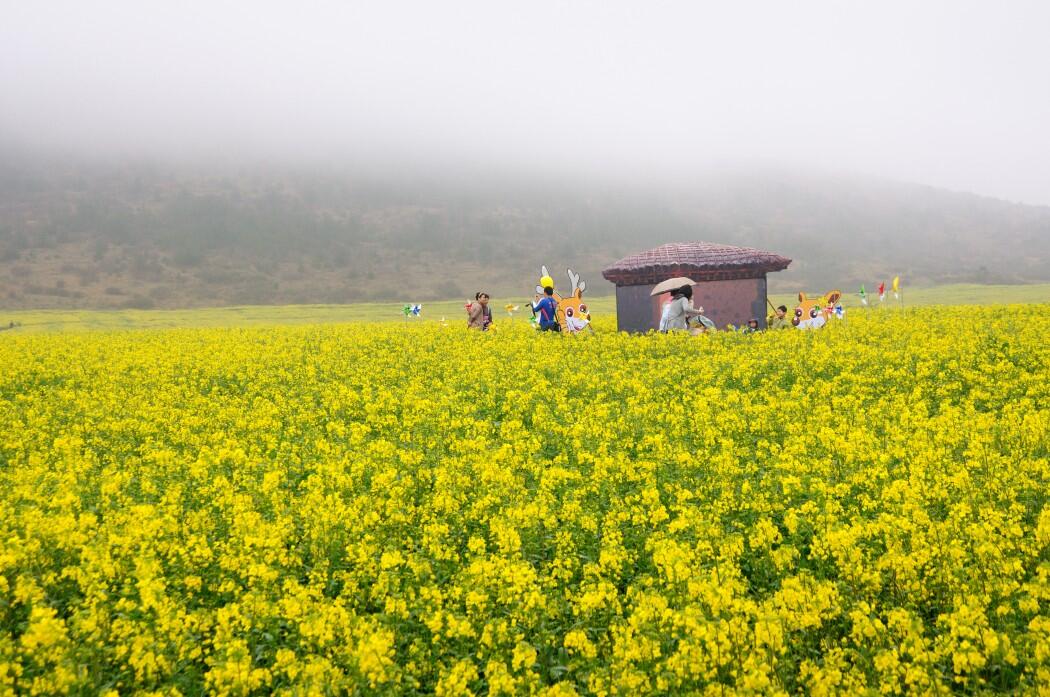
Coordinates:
[544,307]
[479,314]
[777,320]
[680,315]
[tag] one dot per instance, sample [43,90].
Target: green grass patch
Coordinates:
[453,312]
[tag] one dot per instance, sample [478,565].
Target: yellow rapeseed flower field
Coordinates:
[410,508]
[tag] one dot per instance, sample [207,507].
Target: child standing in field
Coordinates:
[779,319]
[479,315]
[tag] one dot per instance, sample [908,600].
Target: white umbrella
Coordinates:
[671,284]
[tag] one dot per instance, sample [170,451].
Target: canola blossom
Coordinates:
[411,508]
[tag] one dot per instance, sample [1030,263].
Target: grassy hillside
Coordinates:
[90,236]
[451,310]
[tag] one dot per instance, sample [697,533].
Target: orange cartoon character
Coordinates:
[813,313]
[572,311]
[573,315]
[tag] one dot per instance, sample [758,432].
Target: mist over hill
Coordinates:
[77,234]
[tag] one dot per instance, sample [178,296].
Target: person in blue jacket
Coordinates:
[546,307]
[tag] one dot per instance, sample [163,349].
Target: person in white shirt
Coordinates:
[680,308]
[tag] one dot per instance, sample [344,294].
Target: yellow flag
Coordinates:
[896,283]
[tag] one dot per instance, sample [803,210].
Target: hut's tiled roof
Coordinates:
[700,261]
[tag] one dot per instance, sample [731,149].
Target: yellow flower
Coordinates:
[366,509]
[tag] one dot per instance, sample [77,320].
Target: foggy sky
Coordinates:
[953,94]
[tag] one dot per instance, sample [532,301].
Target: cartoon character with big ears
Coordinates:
[572,313]
[814,313]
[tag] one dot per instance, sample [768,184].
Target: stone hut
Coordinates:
[730,282]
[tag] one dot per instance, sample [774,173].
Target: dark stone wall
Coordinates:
[732,302]
[760,305]
[725,302]
[635,310]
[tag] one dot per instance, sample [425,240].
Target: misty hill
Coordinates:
[91,235]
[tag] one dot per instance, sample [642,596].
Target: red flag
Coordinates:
[882,290]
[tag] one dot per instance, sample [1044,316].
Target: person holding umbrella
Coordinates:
[676,313]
